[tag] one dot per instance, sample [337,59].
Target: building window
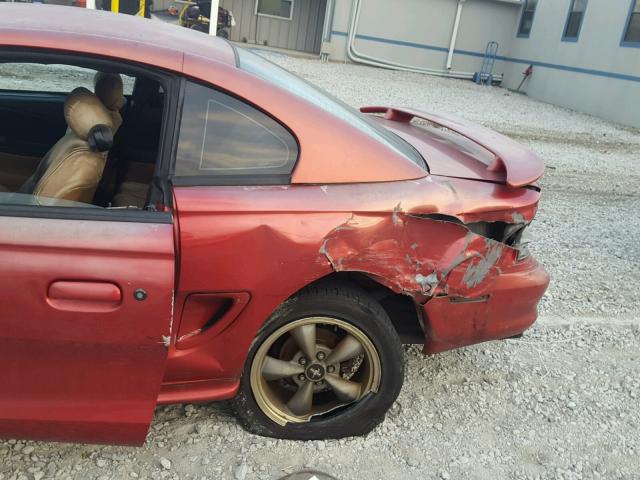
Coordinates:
[574,20]
[275,8]
[631,37]
[526,20]
[223,136]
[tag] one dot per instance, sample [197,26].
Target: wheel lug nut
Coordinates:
[331,369]
[301,377]
[302,360]
[320,356]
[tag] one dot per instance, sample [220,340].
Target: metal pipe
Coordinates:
[359,57]
[327,28]
[454,34]
[328,20]
[213,18]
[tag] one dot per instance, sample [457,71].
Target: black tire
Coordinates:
[356,307]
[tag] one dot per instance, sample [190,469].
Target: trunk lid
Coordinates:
[453,147]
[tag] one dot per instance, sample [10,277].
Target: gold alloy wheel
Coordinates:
[312,366]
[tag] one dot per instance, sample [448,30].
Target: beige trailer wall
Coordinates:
[605,80]
[418,32]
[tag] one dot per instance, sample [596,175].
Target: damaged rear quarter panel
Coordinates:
[273,241]
[417,256]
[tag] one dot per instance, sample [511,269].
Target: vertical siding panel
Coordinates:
[254,26]
[311,21]
[309,28]
[303,20]
[236,32]
[283,33]
[310,39]
[264,23]
[297,15]
[239,16]
[227,4]
[322,10]
[259,27]
[247,29]
[302,33]
[238,12]
[314,27]
[277,27]
[292,32]
[269,31]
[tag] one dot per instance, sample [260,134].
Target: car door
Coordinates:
[86,292]
[85,321]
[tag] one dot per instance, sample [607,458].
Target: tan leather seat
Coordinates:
[133,190]
[109,88]
[73,167]
[131,194]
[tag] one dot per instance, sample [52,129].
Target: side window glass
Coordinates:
[71,137]
[223,136]
[53,78]
[275,8]
[631,35]
[575,17]
[526,20]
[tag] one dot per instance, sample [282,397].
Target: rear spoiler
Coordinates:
[521,166]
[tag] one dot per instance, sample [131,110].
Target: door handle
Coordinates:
[81,296]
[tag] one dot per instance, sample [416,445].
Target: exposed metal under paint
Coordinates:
[480,267]
[423,255]
[396,211]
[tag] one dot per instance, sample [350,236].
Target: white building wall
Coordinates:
[339,29]
[417,33]
[483,21]
[596,88]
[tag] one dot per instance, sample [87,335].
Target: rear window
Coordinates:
[221,135]
[272,73]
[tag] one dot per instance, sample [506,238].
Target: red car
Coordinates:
[183,221]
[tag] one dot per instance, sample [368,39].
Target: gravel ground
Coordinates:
[561,403]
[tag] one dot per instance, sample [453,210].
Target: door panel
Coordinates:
[82,348]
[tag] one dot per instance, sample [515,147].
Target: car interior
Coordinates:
[75,136]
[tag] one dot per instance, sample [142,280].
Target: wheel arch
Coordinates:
[402,310]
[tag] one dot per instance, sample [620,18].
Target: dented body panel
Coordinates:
[505,307]
[414,237]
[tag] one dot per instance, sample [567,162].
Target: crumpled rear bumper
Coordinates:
[508,309]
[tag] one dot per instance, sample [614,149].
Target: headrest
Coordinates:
[109,89]
[83,111]
[100,138]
